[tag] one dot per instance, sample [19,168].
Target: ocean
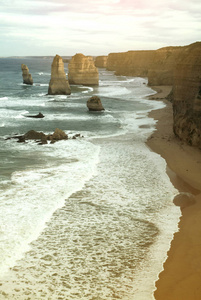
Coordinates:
[87,218]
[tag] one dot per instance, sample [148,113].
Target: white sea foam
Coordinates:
[35,194]
[89,89]
[87,248]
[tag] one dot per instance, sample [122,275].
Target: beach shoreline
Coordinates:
[181,277]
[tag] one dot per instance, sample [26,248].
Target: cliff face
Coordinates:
[82,70]
[58,84]
[131,63]
[187,95]
[157,65]
[176,66]
[161,70]
[27,78]
[101,61]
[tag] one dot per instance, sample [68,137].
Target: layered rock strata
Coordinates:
[161,69]
[82,70]
[27,78]
[179,67]
[187,95]
[157,65]
[58,84]
[101,61]
[131,63]
[94,104]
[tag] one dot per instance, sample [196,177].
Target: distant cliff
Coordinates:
[131,63]
[157,65]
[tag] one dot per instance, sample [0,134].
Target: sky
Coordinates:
[96,27]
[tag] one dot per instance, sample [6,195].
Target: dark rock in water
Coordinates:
[34,135]
[27,78]
[94,104]
[21,139]
[43,141]
[38,116]
[59,135]
[41,138]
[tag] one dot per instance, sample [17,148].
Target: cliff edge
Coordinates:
[187,95]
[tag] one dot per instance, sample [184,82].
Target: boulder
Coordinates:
[59,135]
[94,104]
[82,70]
[34,135]
[58,84]
[27,78]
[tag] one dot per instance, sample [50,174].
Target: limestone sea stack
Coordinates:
[82,70]
[94,104]
[58,84]
[101,61]
[27,78]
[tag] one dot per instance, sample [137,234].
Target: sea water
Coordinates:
[86,218]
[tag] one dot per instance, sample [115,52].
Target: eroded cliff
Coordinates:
[179,67]
[187,95]
[131,63]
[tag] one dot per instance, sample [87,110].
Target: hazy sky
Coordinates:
[96,27]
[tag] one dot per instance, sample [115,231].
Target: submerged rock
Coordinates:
[58,84]
[38,116]
[94,104]
[82,70]
[27,78]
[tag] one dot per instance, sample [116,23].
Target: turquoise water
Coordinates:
[90,218]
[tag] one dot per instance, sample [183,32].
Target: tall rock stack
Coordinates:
[82,70]
[27,78]
[187,95]
[58,84]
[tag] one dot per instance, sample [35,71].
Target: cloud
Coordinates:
[98,26]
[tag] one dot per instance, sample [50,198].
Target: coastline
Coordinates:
[181,277]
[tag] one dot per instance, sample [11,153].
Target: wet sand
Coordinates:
[181,277]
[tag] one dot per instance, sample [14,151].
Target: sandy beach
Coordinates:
[181,277]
